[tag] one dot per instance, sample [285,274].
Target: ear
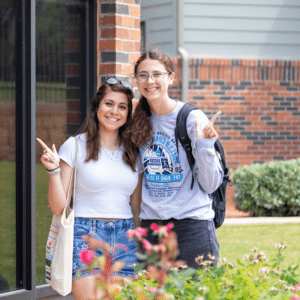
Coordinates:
[171,78]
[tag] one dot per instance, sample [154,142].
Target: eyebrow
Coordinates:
[152,71]
[124,103]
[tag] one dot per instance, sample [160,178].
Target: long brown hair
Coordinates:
[142,128]
[91,126]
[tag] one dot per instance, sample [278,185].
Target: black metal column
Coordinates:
[25,146]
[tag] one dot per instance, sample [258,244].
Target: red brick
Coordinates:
[72,46]
[110,20]
[265,98]
[232,93]
[232,83]
[211,87]
[135,11]
[285,94]
[120,33]
[135,34]
[72,34]
[128,46]
[205,93]
[133,57]
[110,45]
[279,88]
[128,69]
[72,69]
[137,23]
[128,21]
[110,69]
[73,117]
[73,105]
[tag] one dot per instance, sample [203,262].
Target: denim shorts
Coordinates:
[195,237]
[110,232]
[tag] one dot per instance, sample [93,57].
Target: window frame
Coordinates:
[25,127]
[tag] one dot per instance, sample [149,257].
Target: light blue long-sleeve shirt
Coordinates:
[167,179]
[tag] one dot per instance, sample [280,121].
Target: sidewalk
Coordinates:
[261,220]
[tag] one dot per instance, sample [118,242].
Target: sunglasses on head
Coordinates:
[113,80]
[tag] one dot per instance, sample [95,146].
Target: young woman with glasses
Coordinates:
[106,200]
[166,189]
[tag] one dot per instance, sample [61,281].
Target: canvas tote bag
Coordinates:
[59,248]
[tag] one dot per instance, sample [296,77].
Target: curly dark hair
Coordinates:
[91,126]
[142,128]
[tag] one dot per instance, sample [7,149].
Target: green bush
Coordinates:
[161,277]
[255,277]
[268,189]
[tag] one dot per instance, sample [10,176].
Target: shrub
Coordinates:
[268,189]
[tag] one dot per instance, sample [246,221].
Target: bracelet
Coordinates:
[55,171]
[52,169]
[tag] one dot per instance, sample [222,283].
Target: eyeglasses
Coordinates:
[156,76]
[113,80]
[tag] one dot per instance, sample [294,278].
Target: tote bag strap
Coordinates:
[73,177]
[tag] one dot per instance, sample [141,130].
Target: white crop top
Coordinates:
[103,187]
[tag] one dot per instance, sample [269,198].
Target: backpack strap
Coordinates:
[219,148]
[182,135]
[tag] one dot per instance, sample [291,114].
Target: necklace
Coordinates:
[113,153]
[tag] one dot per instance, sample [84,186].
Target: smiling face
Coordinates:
[151,90]
[112,111]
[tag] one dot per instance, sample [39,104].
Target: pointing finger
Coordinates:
[54,149]
[214,118]
[42,143]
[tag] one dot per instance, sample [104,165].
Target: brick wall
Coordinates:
[119,38]
[260,104]
[118,47]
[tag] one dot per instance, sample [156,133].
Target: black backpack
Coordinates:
[218,196]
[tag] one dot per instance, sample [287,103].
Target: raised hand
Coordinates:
[208,132]
[50,157]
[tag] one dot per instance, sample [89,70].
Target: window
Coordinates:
[7,148]
[47,76]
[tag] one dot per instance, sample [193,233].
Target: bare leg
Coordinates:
[118,279]
[84,288]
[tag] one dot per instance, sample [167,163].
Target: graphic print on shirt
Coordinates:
[162,167]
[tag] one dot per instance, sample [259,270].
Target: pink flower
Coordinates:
[130,233]
[152,289]
[137,232]
[141,231]
[87,256]
[169,227]
[154,227]
[295,297]
[297,287]
[147,245]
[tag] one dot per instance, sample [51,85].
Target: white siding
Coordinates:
[160,18]
[242,28]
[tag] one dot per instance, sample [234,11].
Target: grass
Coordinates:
[235,241]
[238,240]
[45,92]
[7,221]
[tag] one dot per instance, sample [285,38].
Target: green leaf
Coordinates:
[141,256]
[240,263]
[139,267]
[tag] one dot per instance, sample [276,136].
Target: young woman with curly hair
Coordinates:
[106,194]
[166,190]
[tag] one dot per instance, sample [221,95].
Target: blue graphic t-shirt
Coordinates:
[167,175]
